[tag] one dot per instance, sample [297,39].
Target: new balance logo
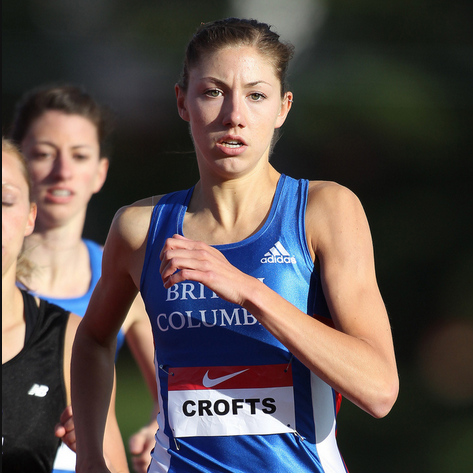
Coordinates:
[38,390]
[278,254]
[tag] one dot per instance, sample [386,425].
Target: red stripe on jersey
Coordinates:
[229,377]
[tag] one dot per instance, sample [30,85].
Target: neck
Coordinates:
[230,211]
[61,262]
[13,319]
[54,248]
[12,301]
[62,232]
[235,195]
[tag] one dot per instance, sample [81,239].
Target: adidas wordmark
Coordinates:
[278,254]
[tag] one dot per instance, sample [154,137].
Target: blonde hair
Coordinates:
[24,267]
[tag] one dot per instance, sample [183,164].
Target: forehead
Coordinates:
[56,124]
[242,61]
[12,171]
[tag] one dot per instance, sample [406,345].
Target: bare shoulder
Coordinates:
[333,211]
[125,247]
[131,222]
[330,194]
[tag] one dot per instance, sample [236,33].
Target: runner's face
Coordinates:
[18,214]
[63,154]
[233,104]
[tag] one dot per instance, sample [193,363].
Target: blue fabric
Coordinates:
[192,327]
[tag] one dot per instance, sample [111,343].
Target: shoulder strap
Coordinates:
[31,311]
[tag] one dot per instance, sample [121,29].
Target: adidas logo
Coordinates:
[278,254]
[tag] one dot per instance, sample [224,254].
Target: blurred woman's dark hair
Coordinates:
[69,99]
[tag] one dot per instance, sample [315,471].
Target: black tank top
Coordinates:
[33,391]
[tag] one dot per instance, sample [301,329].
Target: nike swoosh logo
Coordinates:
[210,383]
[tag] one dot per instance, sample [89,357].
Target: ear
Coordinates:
[181,103]
[31,220]
[101,175]
[286,105]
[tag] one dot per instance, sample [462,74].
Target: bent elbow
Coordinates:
[385,399]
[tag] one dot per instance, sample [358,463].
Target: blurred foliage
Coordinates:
[383,105]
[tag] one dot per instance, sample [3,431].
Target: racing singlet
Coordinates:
[33,391]
[233,398]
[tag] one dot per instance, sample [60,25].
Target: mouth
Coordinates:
[232,144]
[60,192]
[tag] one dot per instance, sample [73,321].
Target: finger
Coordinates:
[69,424]
[180,237]
[176,241]
[136,443]
[179,259]
[140,464]
[66,414]
[70,440]
[59,430]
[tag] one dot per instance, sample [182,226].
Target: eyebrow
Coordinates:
[222,83]
[10,186]
[48,143]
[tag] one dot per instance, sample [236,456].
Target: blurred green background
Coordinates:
[383,105]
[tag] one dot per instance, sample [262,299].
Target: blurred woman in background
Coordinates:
[62,132]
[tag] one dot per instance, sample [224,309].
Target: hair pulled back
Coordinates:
[231,32]
[69,99]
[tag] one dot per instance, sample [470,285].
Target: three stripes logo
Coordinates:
[278,254]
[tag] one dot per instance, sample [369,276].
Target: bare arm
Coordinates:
[94,346]
[140,341]
[114,450]
[356,357]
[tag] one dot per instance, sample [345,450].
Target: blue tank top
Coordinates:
[78,305]
[233,398]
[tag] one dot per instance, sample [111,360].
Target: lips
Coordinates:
[232,144]
[59,195]
[60,192]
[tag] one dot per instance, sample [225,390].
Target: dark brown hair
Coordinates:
[70,99]
[219,34]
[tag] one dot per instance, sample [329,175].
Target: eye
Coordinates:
[257,97]
[213,93]
[8,200]
[41,155]
[80,157]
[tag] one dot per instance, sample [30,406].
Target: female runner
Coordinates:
[261,289]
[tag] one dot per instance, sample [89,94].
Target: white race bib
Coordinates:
[231,400]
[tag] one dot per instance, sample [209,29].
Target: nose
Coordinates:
[234,111]
[62,168]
